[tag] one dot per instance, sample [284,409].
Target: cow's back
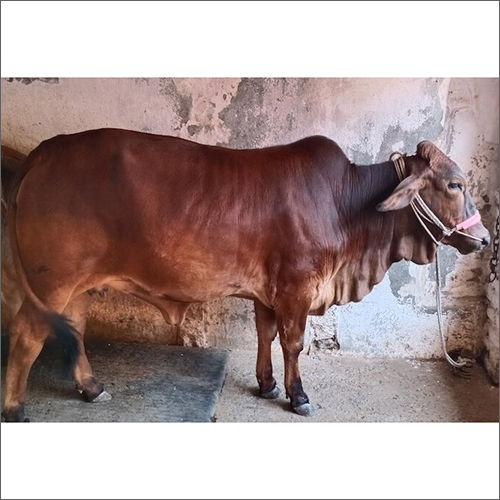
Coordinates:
[169,210]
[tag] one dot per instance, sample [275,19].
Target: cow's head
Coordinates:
[443,187]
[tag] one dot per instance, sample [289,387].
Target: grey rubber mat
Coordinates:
[148,383]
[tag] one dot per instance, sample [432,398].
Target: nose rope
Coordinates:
[423,212]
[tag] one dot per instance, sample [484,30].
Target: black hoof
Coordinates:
[95,397]
[274,393]
[93,391]
[304,410]
[14,416]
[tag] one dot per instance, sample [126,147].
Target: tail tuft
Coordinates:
[66,334]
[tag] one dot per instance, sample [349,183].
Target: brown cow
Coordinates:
[294,228]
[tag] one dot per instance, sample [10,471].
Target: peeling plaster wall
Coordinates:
[369,118]
[492,340]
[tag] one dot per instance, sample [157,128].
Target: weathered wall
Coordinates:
[491,354]
[369,118]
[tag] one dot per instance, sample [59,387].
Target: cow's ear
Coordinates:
[402,195]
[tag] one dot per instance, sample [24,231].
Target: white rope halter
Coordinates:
[422,210]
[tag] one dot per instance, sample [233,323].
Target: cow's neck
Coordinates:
[376,240]
[404,237]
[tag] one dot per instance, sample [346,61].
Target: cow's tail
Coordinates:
[61,326]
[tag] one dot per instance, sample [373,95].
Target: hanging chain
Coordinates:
[494,256]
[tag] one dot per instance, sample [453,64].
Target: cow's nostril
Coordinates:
[485,242]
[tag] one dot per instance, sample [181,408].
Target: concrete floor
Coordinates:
[342,388]
[348,389]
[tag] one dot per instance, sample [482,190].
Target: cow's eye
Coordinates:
[455,185]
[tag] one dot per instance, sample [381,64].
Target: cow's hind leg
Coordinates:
[267,329]
[291,325]
[87,385]
[27,335]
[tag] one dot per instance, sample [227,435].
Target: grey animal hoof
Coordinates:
[274,393]
[16,415]
[104,396]
[304,410]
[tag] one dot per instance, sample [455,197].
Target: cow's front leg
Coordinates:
[267,329]
[291,328]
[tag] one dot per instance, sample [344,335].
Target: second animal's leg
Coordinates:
[267,329]
[90,389]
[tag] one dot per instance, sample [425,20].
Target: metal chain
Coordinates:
[494,256]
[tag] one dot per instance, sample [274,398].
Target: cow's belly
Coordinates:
[184,282]
[178,291]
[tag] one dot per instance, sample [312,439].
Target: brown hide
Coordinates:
[294,227]
[176,222]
